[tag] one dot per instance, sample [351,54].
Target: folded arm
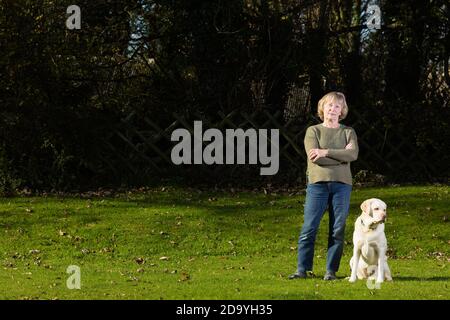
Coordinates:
[327,162]
[347,154]
[311,142]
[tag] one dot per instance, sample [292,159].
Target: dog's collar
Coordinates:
[373,225]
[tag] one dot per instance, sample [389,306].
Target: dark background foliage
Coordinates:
[63,91]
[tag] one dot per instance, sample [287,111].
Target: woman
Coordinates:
[330,147]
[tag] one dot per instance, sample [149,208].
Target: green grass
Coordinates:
[218,246]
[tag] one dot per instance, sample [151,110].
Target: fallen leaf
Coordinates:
[184,276]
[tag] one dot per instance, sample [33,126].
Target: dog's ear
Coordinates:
[365,206]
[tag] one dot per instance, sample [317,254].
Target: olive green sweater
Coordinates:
[336,165]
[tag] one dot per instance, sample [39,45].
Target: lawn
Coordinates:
[181,243]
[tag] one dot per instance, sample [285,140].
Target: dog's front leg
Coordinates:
[388,275]
[381,262]
[356,256]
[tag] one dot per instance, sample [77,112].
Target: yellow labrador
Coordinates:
[369,259]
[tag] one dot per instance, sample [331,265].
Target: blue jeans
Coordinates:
[319,196]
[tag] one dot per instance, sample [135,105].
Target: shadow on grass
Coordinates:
[258,200]
[345,278]
[231,203]
[421,279]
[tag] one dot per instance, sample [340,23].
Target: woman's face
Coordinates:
[332,110]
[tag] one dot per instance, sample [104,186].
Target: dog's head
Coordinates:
[375,209]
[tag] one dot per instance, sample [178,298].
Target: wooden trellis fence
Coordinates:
[143,146]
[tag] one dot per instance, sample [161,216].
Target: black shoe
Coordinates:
[298,275]
[330,275]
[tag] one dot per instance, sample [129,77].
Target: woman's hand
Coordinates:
[315,154]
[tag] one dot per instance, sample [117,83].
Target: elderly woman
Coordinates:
[330,147]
